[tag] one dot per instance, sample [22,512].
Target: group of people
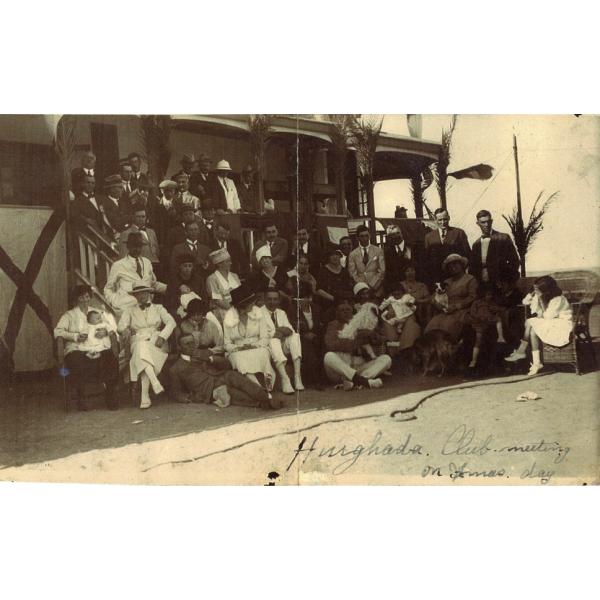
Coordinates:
[233,326]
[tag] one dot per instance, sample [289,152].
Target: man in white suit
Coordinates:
[129,272]
[284,341]
[366,263]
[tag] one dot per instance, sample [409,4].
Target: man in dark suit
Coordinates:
[202,180]
[305,317]
[88,167]
[191,245]
[86,210]
[278,246]
[346,246]
[188,161]
[177,233]
[304,246]
[494,256]
[247,192]
[398,254]
[137,177]
[161,210]
[442,242]
[116,208]
[222,239]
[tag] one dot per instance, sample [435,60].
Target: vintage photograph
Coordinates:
[300,299]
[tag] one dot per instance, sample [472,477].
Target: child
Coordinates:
[92,346]
[397,308]
[186,296]
[483,313]
[552,323]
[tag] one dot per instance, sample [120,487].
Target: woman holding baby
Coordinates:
[84,360]
[185,280]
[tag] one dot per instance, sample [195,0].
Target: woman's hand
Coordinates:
[101,333]
[159,342]
[81,337]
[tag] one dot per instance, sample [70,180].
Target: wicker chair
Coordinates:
[580,341]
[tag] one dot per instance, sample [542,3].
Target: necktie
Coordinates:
[485,237]
[365,256]
[193,246]
[274,317]
[444,232]
[138,267]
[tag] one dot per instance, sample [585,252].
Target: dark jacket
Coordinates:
[501,261]
[435,252]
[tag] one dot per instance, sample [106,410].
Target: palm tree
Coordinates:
[418,184]
[365,136]
[525,235]
[441,166]
[259,127]
[339,132]
[155,133]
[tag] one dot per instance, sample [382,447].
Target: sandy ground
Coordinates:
[471,432]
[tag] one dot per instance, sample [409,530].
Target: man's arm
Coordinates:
[380,269]
[352,269]
[110,289]
[334,343]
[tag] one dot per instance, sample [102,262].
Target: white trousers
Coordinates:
[340,366]
[291,346]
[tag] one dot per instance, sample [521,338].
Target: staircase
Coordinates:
[96,256]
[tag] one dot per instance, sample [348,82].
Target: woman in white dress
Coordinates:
[148,327]
[552,323]
[246,337]
[220,284]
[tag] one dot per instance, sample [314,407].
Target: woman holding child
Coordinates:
[85,360]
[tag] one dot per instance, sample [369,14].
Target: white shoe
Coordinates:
[515,356]
[534,369]
[286,386]
[375,383]
[146,403]
[298,385]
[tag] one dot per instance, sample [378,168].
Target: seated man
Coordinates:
[306,317]
[343,361]
[284,341]
[201,376]
[150,250]
[128,272]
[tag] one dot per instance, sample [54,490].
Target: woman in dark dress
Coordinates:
[270,276]
[333,281]
[70,332]
[185,279]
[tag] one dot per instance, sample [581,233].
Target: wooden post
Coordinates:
[519,209]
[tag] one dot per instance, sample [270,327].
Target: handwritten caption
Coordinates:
[459,457]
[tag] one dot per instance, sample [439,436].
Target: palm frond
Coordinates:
[155,135]
[365,137]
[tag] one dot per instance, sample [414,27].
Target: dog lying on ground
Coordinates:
[434,351]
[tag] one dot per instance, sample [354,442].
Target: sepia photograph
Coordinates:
[299,299]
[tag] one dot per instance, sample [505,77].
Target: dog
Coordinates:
[367,317]
[441,296]
[434,351]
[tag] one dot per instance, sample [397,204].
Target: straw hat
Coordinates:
[454,258]
[138,289]
[167,183]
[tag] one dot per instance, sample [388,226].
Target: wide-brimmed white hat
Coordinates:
[167,183]
[262,252]
[223,165]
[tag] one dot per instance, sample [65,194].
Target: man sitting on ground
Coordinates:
[343,362]
[199,375]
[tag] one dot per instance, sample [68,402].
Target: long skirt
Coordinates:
[555,332]
[144,353]
[255,360]
[82,369]
[452,324]
[410,333]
